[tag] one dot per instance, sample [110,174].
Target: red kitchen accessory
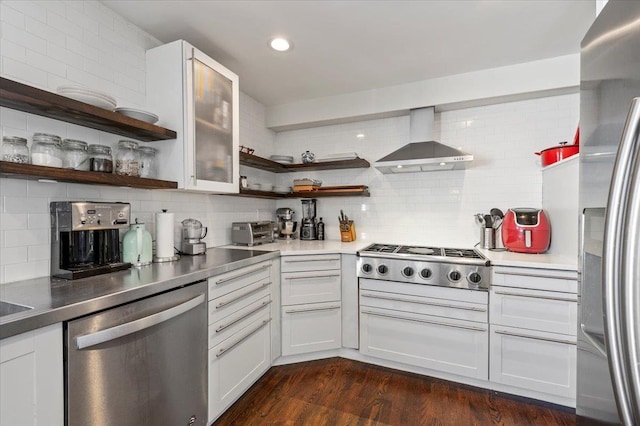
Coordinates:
[526,230]
[554,154]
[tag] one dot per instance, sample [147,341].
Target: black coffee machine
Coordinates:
[85,238]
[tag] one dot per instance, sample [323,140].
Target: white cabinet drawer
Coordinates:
[236,363]
[534,360]
[227,304]
[310,287]
[535,310]
[318,262]
[537,279]
[225,327]
[448,345]
[425,305]
[233,280]
[310,328]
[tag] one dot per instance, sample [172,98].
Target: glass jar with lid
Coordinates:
[76,155]
[100,159]
[46,150]
[127,158]
[148,162]
[15,149]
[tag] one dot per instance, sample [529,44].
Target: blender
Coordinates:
[286,225]
[308,228]
[192,234]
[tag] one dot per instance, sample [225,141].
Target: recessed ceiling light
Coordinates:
[280,44]
[360,136]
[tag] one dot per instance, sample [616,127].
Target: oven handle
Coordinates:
[528,336]
[443,305]
[424,321]
[121,330]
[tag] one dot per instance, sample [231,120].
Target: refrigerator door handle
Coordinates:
[614,277]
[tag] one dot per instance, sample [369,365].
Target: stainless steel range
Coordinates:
[448,267]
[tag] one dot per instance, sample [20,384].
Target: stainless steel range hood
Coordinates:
[423,154]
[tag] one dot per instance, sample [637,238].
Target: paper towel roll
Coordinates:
[164,235]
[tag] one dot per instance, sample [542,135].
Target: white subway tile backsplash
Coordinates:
[39,252]
[39,221]
[22,72]
[13,255]
[13,188]
[13,221]
[46,63]
[32,9]
[25,237]
[25,271]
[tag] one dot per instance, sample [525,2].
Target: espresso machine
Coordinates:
[309,226]
[85,238]
[286,225]
[192,234]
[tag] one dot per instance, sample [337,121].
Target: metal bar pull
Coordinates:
[249,292]
[559,299]
[245,273]
[319,308]
[444,324]
[235,321]
[240,340]
[121,330]
[613,266]
[527,336]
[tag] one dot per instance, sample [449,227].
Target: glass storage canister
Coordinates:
[46,150]
[75,154]
[15,149]
[148,162]
[127,158]
[100,159]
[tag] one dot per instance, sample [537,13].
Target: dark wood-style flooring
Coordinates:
[339,391]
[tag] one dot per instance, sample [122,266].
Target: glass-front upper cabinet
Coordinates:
[200,98]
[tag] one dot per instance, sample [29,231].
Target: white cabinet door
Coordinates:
[448,345]
[236,363]
[199,98]
[311,327]
[31,378]
[534,360]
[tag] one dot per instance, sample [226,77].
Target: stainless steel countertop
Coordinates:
[55,300]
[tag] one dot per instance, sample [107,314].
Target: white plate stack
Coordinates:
[283,159]
[91,97]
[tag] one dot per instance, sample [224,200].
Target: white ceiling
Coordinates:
[348,46]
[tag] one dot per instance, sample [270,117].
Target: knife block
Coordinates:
[347,231]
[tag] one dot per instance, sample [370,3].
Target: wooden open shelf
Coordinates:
[275,167]
[304,194]
[47,104]
[29,171]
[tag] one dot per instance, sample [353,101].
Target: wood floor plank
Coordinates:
[338,391]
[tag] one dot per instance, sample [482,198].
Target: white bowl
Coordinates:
[266,187]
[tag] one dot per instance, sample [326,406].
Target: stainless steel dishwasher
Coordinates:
[142,363]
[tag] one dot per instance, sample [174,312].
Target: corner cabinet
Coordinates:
[198,97]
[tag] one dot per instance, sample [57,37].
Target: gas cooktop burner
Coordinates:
[450,267]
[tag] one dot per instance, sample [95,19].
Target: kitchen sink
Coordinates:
[7,308]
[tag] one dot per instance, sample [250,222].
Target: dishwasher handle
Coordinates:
[121,330]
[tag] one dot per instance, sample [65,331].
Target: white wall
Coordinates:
[49,43]
[437,208]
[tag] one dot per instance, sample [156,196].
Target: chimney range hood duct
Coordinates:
[423,154]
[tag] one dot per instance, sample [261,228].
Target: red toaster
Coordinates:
[526,230]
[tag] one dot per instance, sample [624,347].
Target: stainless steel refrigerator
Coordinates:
[609,302]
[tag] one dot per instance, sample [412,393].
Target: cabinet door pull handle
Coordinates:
[229,324]
[234,277]
[555,277]
[243,295]
[526,336]
[465,327]
[443,305]
[559,299]
[301,277]
[324,308]
[240,340]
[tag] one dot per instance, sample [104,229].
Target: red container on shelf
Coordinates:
[526,230]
